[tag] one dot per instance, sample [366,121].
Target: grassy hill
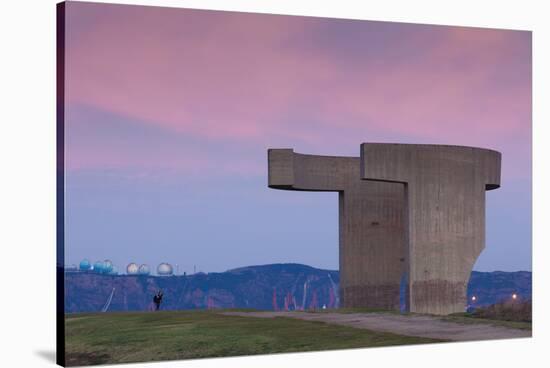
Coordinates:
[135,336]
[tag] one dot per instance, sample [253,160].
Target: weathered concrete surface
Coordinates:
[445,190]
[371,227]
[409,325]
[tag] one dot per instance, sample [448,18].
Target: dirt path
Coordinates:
[410,325]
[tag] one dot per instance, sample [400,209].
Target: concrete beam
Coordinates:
[371,223]
[445,212]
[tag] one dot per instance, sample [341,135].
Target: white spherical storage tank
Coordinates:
[144,270]
[132,269]
[165,269]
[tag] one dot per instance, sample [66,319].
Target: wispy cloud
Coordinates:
[321,84]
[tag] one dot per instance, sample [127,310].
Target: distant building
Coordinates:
[132,269]
[98,267]
[85,265]
[107,266]
[71,268]
[165,269]
[144,270]
[103,267]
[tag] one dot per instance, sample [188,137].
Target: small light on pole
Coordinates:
[514,296]
[474,298]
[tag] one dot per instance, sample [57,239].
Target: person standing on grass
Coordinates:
[157,299]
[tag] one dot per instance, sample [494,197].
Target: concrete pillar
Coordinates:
[371,223]
[445,190]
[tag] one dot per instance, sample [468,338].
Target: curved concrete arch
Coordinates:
[445,212]
[371,223]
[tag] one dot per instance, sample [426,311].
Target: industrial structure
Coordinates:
[165,269]
[412,214]
[144,270]
[107,267]
[85,265]
[132,269]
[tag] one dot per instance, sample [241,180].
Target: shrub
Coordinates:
[519,311]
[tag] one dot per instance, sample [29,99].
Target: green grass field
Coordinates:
[135,337]
[463,318]
[469,319]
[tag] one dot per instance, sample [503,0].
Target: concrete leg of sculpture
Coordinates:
[445,189]
[371,228]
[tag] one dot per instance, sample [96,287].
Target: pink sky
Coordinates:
[326,83]
[153,93]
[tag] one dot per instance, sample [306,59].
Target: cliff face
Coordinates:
[278,286]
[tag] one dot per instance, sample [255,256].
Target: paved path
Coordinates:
[410,325]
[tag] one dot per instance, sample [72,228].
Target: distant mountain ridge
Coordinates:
[268,287]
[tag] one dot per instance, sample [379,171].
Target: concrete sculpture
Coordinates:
[372,232]
[445,214]
[406,211]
